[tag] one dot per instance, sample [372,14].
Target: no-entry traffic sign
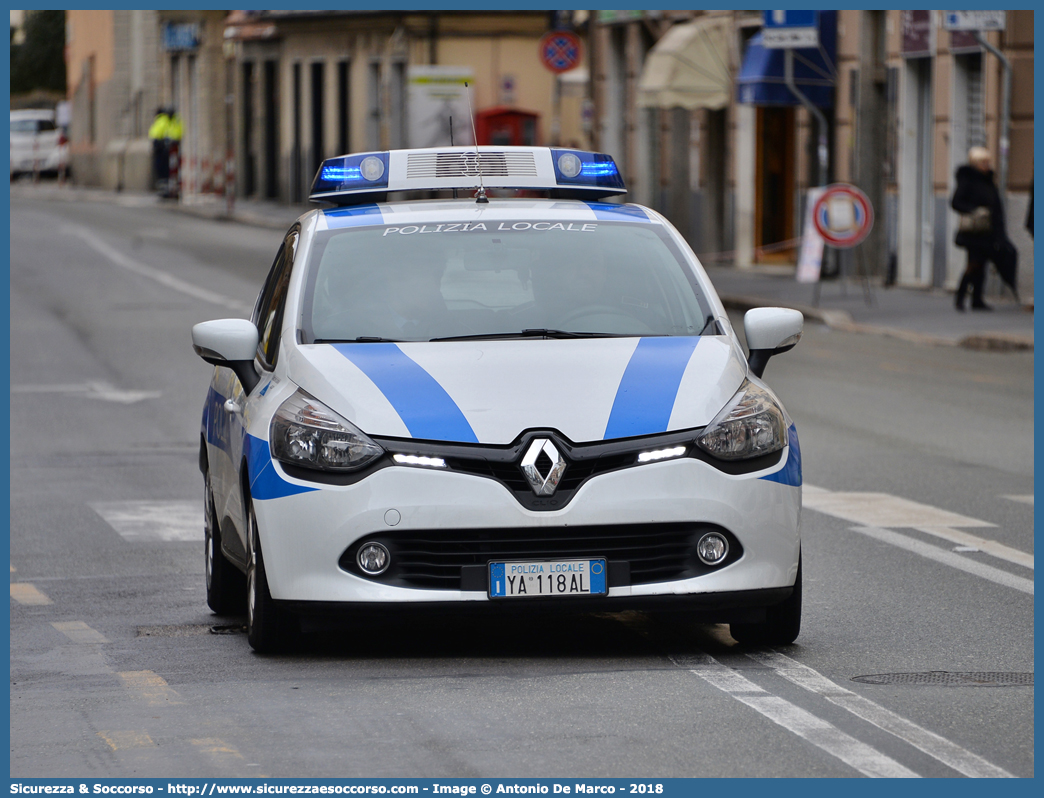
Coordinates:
[843,215]
[560,50]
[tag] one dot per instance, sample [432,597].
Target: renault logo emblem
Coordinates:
[543,466]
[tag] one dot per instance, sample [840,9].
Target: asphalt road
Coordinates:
[918,541]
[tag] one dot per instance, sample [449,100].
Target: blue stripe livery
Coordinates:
[355,216]
[428,412]
[649,386]
[790,473]
[265,482]
[610,212]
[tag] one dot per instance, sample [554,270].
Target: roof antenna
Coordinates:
[481,196]
[451,144]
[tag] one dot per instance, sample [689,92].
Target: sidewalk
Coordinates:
[918,316]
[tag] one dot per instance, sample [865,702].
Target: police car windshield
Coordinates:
[497,279]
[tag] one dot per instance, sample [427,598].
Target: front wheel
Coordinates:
[781,625]
[269,627]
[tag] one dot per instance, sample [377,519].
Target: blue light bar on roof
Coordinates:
[363,172]
[577,168]
[372,176]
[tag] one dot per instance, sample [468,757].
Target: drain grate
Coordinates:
[950,679]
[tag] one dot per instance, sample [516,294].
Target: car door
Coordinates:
[23,131]
[268,317]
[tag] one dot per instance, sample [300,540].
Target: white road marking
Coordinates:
[140,521]
[79,632]
[864,758]
[884,510]
[949,753]
[91,390]
[29,594]
[948,558]
[1024,499]
[975,543]
[157,275]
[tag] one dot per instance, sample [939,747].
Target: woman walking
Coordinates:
[981,230]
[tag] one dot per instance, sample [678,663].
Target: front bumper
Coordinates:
[304,536]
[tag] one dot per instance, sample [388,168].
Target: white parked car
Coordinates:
[507,403]
[37,144]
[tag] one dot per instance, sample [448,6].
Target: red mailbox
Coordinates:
[505,127]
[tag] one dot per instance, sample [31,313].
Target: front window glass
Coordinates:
[443,280]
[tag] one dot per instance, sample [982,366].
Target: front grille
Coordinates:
[434,558]
[469,164]
[511,474]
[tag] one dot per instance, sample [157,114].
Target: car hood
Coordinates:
[491,391]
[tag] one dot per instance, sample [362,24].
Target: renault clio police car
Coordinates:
[524,402]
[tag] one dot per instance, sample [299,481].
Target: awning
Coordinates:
[761,81]
[689,67]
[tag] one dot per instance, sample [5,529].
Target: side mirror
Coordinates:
[231,343]
[770,331]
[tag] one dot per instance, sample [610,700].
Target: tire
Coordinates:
[226,586]
[781,625]
[270,628]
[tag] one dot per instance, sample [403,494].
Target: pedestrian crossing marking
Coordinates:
[152,521]
[150,686]
[79,632]
[122,740]
[28,594]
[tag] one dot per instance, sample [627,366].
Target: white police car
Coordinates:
[521,403]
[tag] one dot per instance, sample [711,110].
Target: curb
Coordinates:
[842,321]
[238,217]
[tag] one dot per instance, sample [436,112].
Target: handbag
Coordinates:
[978,222]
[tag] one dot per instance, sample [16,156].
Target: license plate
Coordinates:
[536,578]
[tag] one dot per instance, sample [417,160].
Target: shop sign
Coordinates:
[918,34]
[181,36]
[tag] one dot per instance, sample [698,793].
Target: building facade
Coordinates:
[901,101]
[309,85]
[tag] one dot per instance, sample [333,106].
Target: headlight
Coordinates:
[307,433]
[750,425]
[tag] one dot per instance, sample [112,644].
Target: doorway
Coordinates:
[774,184]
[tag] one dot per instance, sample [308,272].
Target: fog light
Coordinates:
[712,548]
[373,558]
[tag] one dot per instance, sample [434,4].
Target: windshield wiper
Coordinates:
[541,333]
[362,339]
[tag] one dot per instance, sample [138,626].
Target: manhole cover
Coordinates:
[950,679]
